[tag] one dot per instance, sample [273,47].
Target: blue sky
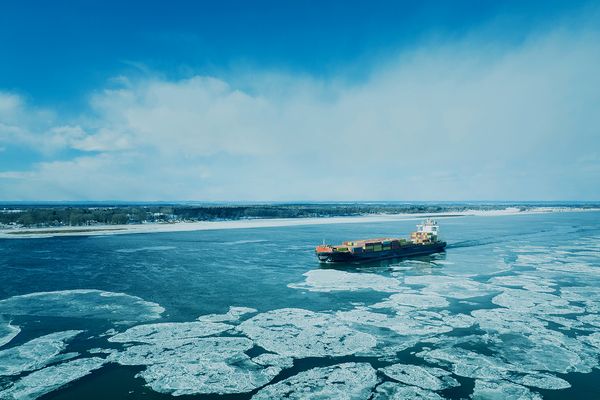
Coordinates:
[299,100]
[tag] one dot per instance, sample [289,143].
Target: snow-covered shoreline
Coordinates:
[98,230]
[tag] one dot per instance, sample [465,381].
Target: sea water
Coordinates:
[510,310]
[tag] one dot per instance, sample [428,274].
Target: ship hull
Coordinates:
[403,252]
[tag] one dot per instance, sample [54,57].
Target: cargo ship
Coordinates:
[422,242]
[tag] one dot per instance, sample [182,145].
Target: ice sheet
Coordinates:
[207,377]
[7,331]
[502,390]
[234,314]
[195,365]
[424,377]
[468,363]
[347,381]
[408,324]
[35,354]
[330,280]
[452,287]
[542,381]
[421,301]
[153,333]
[535,302]
[186,350]
[82,303]
[301,333]
[397,391]
[50,378]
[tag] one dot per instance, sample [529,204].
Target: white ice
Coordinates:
[408,324]
[201,365]
[207,377]
[7,331]
[527,282]
[468,363]
[36,353]
[187,350]
[535,302]
[180,359]
[590,319]
[396,391]
[275,360]
[546,350]
[592,339]
[330,280]
[542,381]
[421,301]
[506,321]
[452,287]
[347,381]
[82,303]
[50,378]
[502,390]
[424,377]
[302,333]
[153,333]
[234,314]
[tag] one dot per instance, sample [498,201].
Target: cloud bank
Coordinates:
[446,121]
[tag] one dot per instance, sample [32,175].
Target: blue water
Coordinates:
[524,265]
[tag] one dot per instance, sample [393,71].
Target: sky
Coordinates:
[299,100]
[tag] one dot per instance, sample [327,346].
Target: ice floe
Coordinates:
[50,378]
[580,293]
[565,323]
[330,280]
[275,360]
[592,340]
[396,391]
[302,333]
[185,351]
[402,300]
[502,390]
[199,365]
[546,350]
[7,331]
[153,333]
[542,381]
[413,323]
[342,382]
[590,319]
[233,315]
[457,320]
[452,287]
[183,358]
[424,377]
[579,268]
[506,321]
[588,295]
[527,282]
[36,353]
[207,377]
[535,302]
[467,363]
[82,303]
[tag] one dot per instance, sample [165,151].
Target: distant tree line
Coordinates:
[44,216]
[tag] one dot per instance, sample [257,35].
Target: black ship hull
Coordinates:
[404,251]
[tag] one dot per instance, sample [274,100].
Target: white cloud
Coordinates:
[449,121]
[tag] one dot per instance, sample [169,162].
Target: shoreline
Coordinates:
[100,230]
